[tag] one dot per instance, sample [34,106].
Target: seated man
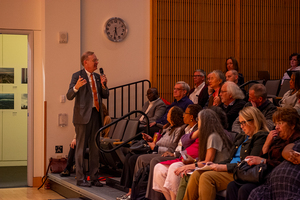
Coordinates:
[181,89]
[258,99]
[199,93]
[232,75]
[232,101]
[155,108]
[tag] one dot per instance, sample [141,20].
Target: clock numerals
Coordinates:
[115,29]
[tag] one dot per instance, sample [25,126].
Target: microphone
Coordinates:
[102,74]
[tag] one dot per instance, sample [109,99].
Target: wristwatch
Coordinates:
[262,161]
[196,163]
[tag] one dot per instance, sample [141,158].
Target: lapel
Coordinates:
[88,85]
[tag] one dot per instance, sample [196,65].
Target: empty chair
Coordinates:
[272,87]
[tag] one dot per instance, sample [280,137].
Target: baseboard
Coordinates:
[37,181]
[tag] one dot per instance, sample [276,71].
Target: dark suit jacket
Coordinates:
[156,111]
[83,98]
[203,95]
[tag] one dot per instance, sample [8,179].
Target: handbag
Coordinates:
[140,147]
[56,165]
[245,173]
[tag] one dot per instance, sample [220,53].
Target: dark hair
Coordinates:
[194,110]
[221,114]
[210,123]
[288,115]
[235,64]
[201,71]
[177,116]
[85,56]
[105,111]
[298,57]
[297,80]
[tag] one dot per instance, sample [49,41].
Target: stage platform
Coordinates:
[66,186]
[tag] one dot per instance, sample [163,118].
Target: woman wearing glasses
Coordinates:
[287,131]
[206,184]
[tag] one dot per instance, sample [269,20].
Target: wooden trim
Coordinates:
[37,181]
[237,29]
[45,136]
[153,46]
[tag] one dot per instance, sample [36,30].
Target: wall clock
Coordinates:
[115,29]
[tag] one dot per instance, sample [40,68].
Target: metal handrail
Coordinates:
[97,136]
[247,83]
[114,90]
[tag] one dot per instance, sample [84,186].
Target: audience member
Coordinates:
[215,81]
[283,182]
[181,89]
[294,63]
[291,97]
[168,142]
[199,93]
[232,101]
[214,145]
[287,131]
[155,108]
[258,98]
[186,143]
[205,184]
[232,75]
[232,64]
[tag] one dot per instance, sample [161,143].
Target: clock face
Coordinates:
[115,29]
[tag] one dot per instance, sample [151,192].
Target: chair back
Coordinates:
[272,87]
[284,87]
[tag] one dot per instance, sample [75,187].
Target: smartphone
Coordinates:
[183,154]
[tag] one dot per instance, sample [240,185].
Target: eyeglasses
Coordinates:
[243,123]
[187,113]
[95,60]
[222,91]
[195,76]
[280,123]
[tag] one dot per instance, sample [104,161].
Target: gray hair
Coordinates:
[234,72]
[259,91]
[202,72]
[234,90]
[184,85]
[210,123]
[219,74]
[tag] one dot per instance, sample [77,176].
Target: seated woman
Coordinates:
[189,117]
[205,184]
[287,131]
[232,64]
[215,81]
[294,63]
[168,142]
[291,97]
[284,181]
[214,145]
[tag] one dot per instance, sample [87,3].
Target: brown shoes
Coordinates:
[83,183]
[97,183]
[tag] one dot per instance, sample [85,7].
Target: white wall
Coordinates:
[54,63]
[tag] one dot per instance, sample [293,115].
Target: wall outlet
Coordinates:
[58,149]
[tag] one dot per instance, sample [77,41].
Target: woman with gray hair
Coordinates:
[215,81]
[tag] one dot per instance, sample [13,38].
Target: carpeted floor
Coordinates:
[13,177]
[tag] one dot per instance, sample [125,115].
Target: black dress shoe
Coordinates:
[65,173]
[83,183]
[97,183]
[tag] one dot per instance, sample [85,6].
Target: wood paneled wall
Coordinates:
[201,34]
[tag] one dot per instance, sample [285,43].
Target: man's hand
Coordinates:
[147,137]
[73,143]
[103,80]
[152,124]
[167,154]
[80,82]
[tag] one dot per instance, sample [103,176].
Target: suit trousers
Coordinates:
[85,137]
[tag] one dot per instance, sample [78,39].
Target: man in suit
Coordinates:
[88,91]
[199,94]
[155,108]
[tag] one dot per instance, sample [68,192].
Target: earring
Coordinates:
[191,120]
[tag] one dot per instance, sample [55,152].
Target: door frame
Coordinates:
[30,118]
